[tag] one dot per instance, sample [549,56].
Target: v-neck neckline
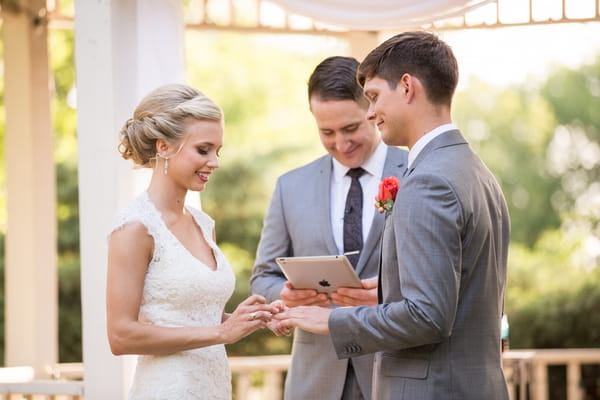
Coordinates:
[160,217]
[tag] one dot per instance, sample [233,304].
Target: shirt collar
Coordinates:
[425,139]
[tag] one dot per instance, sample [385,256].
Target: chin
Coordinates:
[390,140]
[197,188]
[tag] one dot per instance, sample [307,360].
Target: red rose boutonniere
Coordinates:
[388,188]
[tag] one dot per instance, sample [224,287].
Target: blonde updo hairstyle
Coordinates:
[162,114]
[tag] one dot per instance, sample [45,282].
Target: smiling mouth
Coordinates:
[202,176]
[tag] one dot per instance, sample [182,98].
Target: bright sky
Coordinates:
[518,54]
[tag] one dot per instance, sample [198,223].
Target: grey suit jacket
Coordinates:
[298,224]
[443,275]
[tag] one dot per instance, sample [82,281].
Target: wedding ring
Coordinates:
[252,317]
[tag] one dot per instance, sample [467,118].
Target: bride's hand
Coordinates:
[250,315]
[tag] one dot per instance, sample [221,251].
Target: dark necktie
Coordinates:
[353,240]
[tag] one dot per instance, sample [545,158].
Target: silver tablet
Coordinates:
[323,273]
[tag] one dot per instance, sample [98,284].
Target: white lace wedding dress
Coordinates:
[180,291]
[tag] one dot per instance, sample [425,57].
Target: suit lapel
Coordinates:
[324,195]
[394,165]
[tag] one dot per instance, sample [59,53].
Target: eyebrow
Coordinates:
[341,128]
[351,124]
[204,144]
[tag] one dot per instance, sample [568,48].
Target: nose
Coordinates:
[213,163]
[370,113]
[342,143]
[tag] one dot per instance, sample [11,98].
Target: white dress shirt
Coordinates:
[426,138]
[340,184]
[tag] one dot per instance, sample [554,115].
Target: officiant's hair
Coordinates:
[420,54]
[163,114]
[335,79]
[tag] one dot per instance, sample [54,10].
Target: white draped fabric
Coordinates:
[379,15]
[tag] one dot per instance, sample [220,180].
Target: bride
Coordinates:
[167,281]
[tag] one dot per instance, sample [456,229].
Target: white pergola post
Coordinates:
[31,300]
[124,48]
[362,42]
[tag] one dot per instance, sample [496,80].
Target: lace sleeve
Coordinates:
[139,210]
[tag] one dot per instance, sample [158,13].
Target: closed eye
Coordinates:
[351,128]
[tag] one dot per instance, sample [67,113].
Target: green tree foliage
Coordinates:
[511,129]
[574,98]
[69,291]
[569,318]
[61,45]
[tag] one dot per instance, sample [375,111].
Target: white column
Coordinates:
[124,48]
[361,43]
[31,279]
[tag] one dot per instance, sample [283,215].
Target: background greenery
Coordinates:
[540,140]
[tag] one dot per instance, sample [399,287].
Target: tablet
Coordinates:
[323,273]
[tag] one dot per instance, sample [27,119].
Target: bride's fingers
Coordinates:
[264,316]
[261,316]
[254,299]
[273,309]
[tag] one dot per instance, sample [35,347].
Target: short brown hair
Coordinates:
[421,54]
[335,79]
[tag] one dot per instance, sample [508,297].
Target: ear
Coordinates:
[162,147]
[407,86]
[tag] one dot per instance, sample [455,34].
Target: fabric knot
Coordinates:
[355,173]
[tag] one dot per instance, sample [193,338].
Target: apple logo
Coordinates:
[324,283]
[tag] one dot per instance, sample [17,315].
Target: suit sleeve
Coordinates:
[421,273]
[267,278]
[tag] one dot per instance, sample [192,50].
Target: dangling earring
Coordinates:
[158,155]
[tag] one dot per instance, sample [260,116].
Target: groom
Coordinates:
[436,331]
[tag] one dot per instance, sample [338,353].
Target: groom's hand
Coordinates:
[274,325]
[357,297]
[302,297]
[310,318]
